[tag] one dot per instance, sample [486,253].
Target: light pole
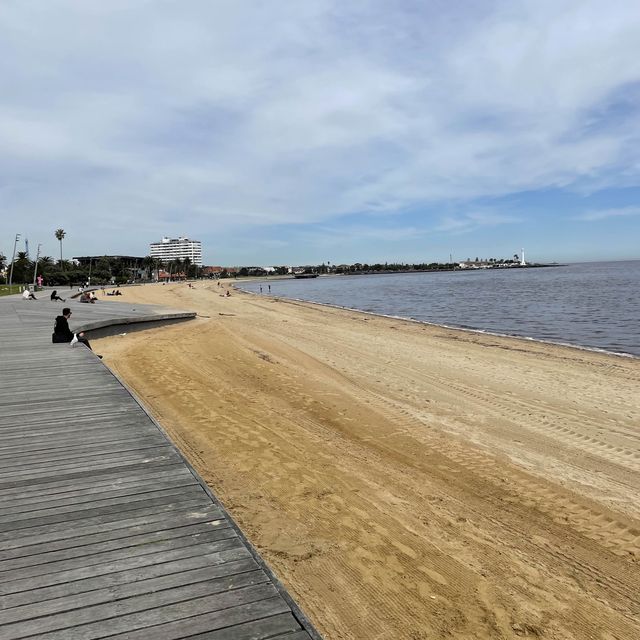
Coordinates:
[13,257]
[35,266]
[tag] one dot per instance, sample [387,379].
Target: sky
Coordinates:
[287,132]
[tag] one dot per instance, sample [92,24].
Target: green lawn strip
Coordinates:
[5,291]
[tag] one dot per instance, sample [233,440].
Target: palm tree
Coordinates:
[44,266]
[158,265]
[177,264]
[147,263]
[60,234]
[186,263]
[22,267]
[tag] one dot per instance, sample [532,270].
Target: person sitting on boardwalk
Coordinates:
[62,333]
[55,296]
[28,295]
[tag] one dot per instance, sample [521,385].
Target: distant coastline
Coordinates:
[451,269]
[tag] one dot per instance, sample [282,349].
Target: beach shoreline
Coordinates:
[496,334]
[406,480]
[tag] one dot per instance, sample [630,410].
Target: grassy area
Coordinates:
[4,289]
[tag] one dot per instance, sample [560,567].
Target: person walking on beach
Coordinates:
[55,296]
[62,333]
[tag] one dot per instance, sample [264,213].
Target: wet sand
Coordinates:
[406,481]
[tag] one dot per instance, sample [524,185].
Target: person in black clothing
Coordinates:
[55,296]
[62,333]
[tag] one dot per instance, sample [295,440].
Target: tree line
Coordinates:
[101,270]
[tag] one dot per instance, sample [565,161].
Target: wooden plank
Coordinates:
[79,538]
[87,486]
[140,605]
[68,422]
[164,553]
[122,591]
[210,621]
[57,467]
[278,626]
[163,459]
[182,611]
[128,575]
[61,440]
[119,553]
[81,496]
[125,542]
[112,510]
[94,524]
[16,458]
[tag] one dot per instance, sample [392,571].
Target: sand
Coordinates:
[407,481]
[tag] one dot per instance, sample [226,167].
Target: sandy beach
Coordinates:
[404,481]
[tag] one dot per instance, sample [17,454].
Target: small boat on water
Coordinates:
[305,275]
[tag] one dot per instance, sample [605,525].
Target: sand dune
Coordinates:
[407,481]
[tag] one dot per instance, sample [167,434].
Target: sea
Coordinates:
[593,305]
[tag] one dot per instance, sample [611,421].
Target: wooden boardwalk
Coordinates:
[105,530]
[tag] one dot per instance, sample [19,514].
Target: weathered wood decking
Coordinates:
[105,531]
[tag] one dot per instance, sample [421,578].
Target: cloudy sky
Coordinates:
[291,132]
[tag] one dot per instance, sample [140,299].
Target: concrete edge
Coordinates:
[132,320]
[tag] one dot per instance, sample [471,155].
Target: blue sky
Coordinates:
[286,132]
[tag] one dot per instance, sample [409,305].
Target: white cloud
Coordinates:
[605,214]
[201,116]
[473,220]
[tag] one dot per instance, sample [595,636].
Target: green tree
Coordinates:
[45,267]
[148,264]
[22,268]
[188,267]
[60,234]
[65,264]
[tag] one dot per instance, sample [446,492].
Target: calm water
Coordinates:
[593,305]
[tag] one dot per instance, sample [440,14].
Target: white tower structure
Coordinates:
[522,262]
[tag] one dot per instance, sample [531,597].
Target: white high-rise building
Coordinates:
[177,249]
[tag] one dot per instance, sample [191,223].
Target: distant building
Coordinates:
[166,276]
[211,271]
[177,249]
